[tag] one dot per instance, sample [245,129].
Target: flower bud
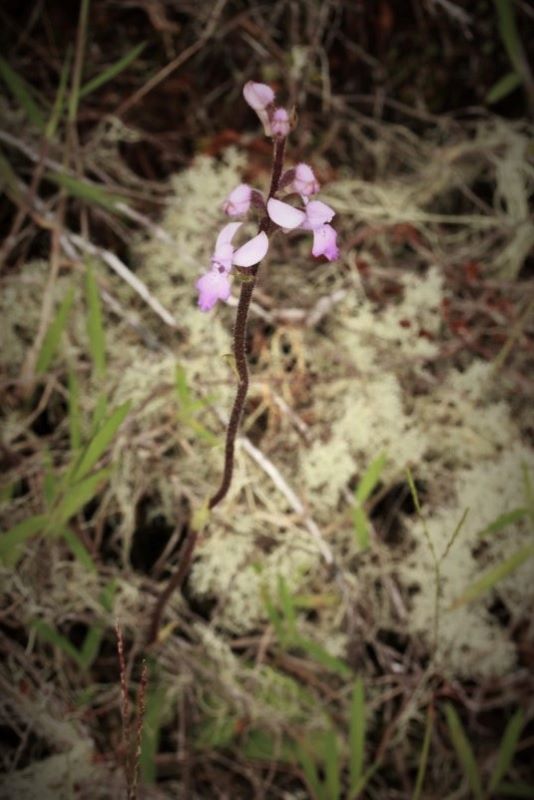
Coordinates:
[238,201]
[305,182]
[280,126]
[258,95]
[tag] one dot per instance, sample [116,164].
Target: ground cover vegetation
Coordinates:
[356,617]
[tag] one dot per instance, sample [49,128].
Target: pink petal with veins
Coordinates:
[324,242]
[252,251]
[212,286]
[285,215]
[227,234]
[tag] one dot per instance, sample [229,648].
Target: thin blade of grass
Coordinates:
[91,646]
[287,607]
[79,550]
[182,388]
[423,761]
[81,38]
[12,540]
[151,732]
[507,749]
[310,773]
[85,190]
[331,766]
[112,71]
[503,87]
[522,790]
[59,102]
[323,657]
[77,496]
[21,93]
[75,416]
[53,334]
[503,521]
[53,637]
[493,576]
[95,327]
[356,735]
[508,31]
[370,478]
[100,441]
[361,527]
[464,751]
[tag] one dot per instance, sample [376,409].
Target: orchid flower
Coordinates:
[215,284]
[315,217]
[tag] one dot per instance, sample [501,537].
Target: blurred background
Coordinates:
[357,621]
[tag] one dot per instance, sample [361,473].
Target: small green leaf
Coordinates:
[182,389]
[504,86]
[53,334]
[95,328]
[413,490]
[356,735]
[59,102]
[493,576]
[464,751]
[361,527]
[508,31]
[20,91]
[100,441]
[11,542]
[76,497]
[287,607]
[507,749]
[112,71]
[107,595]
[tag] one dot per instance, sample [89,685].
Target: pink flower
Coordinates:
[315,217]
[258,95]
[212,286]
[238,201]
[280,123]
[324,242]
[215,285]
[305,182]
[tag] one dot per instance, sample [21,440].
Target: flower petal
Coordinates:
[258,95]
[285,215]
[324,242]
[252,251]
[317,214]
[305,182]
[212,286]
[227,234]
[238,201]
[280,125]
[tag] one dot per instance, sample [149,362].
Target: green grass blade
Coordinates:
[100,441]
[91,646]
[507,749]
[77,496]
[75,416]
[423,761]
[79,550]
[59,102]
[331,766]
[20,91]
[74,96]
[413,491]
[464,751]
[504,86]
[85,190]
[12,540]
[361,527]
[95,327]
[493,576]
[356,735]
[112,71]
[502,521]
[154,713]
[323,657]
[370,478]
[53,334]
[364,780]
[310,773]
[53,637]
[182,388]
[454,536]
[508,31]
